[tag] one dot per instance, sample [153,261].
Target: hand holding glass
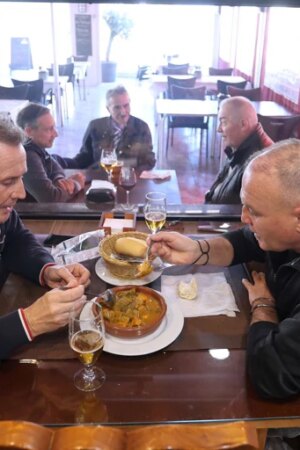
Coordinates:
[127,180]
[86,338]
[155,211]
[108,160]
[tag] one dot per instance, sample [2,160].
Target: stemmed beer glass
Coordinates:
[108,160]
[86,338]
[155,211]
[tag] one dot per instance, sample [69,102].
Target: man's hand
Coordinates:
[174,247]
[51,311]
[257,289]
[80,178]
[66,185]
[70,275]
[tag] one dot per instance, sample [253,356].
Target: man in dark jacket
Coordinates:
[22,254]
[129,135]
[242,136]
[270,197]
[45,179]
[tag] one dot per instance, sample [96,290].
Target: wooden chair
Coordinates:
[35,91]
[18,435]
[202,123]
[213,71]
[14,93]
[252,94]
[279,128]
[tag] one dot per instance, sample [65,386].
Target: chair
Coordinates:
[222,87]
[14,93]
[188,82]
[143,73]
[279,128]
[213,71]
[252,94]
[177,69]
[184,93]
[35,91]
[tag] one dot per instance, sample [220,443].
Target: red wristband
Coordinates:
[25,324]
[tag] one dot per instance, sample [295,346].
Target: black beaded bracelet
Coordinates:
[203,253]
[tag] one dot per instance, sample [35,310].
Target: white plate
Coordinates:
[105,275]
[167,332]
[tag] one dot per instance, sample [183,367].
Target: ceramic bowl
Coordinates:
[133,332]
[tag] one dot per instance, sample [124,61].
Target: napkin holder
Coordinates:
[101,192]
[111,224]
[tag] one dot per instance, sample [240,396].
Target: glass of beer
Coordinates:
[86,338]
[155,211]
[108,160]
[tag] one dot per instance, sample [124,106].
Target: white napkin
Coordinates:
[151,175]
[101,184]
[215,296]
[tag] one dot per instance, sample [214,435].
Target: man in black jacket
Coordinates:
[129,135]
[242,136]
[22,254]
[270,197]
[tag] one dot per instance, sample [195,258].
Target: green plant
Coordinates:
[119,25]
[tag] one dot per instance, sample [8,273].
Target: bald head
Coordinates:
[279,164]
[237,120]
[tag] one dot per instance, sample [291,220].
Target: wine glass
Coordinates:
[127,180]
[108,159]
[155,211]
[86,338]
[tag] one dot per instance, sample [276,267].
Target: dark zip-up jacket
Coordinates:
[227,186]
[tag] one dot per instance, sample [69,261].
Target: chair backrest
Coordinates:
[252,94]
[222,86]
[182,82]
[14,93]
[64,70]
[186,93]
[176,69]
[279,128]
[35,91]
[215,71]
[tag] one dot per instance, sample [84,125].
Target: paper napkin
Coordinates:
[215,296]
[152,175]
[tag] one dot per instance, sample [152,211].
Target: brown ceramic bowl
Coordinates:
[133,332]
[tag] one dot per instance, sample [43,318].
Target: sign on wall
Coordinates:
[83,34]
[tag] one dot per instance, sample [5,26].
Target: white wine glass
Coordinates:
[127,180]
[108,160]
[87,338]
[155,211]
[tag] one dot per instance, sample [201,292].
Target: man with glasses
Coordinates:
[45,180]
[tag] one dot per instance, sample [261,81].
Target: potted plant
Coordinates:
[119,25]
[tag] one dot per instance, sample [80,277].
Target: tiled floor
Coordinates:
[195,172]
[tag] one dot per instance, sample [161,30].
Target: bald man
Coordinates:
[242,136]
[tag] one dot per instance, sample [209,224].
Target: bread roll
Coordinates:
[131,246]
[188,290]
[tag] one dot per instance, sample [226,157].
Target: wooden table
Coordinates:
[169,386]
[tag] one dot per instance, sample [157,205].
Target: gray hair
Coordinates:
[117,90]
[281,161]
[29,115]
[10,134]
